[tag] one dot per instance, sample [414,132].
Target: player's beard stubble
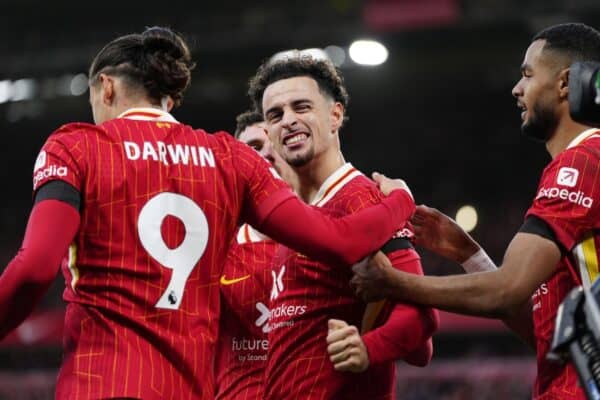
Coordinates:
[300,159]
[541,123]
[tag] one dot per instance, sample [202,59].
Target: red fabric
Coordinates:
[304,295]
[338,240]
[405,332]
[51,227]
[242,345]
[568,200]
[118,343]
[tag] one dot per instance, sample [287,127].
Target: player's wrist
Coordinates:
[466,251]
[478,262]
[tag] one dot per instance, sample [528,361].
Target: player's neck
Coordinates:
[566,131]
[126,104]
[312,175]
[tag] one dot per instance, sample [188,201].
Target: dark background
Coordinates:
[439,113]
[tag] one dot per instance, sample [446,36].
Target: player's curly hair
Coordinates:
[328,78]
[157,59]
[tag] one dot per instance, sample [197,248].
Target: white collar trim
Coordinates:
[337,180]
[588,133]
[148,114]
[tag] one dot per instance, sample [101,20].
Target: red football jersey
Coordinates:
[304,295]
[158,201]
[243,342]
[568,199]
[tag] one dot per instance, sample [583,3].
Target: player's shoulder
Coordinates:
[74,130]
[583,149]
[361,187]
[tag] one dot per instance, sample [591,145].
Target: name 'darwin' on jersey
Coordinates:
[170,153]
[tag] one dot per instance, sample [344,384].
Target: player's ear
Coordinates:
[107,83]
[337,116]
[563,84]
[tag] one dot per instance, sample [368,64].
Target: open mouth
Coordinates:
[523,109]
[295,139]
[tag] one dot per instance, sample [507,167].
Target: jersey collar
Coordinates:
[588,133]
[334,183]
[148,114]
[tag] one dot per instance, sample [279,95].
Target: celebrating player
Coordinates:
[304,103]
[144,207]
[556,249]
[245,286]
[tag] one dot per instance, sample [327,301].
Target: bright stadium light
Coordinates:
[336,54]
[5,91]
[79,84]
[315,53]
[466,218]
[368,52]
[23,89]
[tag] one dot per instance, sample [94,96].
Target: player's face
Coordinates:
[256,137]
[536,93]
[302,122]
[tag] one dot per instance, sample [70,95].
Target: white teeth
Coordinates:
[296,139]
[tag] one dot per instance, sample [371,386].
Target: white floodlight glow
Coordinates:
[316,53]
[79,84]
[368,52]
[5,91]
[466,217]
[336,54]
[23,89]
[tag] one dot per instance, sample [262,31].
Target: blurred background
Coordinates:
[437,111]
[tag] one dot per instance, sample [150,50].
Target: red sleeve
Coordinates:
[406,334]
[568,197]
[343,240]
[51,228]
[59,157]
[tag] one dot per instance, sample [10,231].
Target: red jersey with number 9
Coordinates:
[159,201]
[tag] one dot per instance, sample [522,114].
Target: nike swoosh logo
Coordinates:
[225,281]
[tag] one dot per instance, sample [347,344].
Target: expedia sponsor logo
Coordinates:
[51,170]
[567,176]
[564,194]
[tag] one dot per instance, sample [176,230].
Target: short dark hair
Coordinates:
[327,76]
[246,119]
[575,41]
[157,59]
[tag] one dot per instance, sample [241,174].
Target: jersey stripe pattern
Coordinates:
[243,342]
[304,295]
[142,276]
[568,200]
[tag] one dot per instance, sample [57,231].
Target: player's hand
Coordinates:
[346,349]
[439,233]
[387,185]
[370,280]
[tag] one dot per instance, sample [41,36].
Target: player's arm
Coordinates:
[406,333]
[440,234]
[529,261]
[52,225]
[343,240]
[273,209]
